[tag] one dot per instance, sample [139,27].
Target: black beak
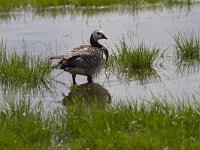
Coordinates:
[104,37]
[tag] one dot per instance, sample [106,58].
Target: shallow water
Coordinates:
[52,35]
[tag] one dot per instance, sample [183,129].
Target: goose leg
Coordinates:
[89,78]
[73,78]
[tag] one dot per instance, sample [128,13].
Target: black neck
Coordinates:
[95,43]
[106,53]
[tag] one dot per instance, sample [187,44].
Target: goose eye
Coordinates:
[98,33]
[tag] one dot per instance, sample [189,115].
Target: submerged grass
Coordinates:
[187,50]
[187,46]
[135,62]
[23,70]
[155,125]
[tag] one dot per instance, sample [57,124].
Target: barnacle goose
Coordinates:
[84,60]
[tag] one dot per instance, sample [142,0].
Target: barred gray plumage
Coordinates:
[84,60]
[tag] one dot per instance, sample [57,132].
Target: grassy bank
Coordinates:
[14,4]
[55,8]
[23,70]
[93,126]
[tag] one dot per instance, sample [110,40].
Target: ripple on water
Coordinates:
[58,33]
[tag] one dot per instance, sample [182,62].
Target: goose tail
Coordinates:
[57,57]
[59,64]
[56,66]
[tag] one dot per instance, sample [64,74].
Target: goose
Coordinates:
[85,59]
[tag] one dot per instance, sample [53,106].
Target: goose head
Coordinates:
[95,36]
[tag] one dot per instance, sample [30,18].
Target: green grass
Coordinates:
[13,4]
[187,51]
[187,46]
[23,70]
[138,62]
[22,127]
[153,125]
[55,8]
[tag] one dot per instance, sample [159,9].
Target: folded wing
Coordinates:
[84,56]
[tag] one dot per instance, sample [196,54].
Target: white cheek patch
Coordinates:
[97,36]
[100,36]
[101,32]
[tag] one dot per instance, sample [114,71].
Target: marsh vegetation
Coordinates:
[152,125]
[187,46]
[23,70]
[138,62]
[91,116]
[15,9]
[187,51]
[94,123]
[13,4]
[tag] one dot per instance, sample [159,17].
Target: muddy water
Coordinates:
[52,35]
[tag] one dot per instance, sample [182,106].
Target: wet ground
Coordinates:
[52,34]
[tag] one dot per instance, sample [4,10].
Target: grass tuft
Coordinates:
[23,70]
[187,46]
[187,51]
[140,57]
[135,62]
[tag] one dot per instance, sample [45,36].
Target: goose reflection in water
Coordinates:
[87,92]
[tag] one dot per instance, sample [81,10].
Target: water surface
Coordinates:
[52,35]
